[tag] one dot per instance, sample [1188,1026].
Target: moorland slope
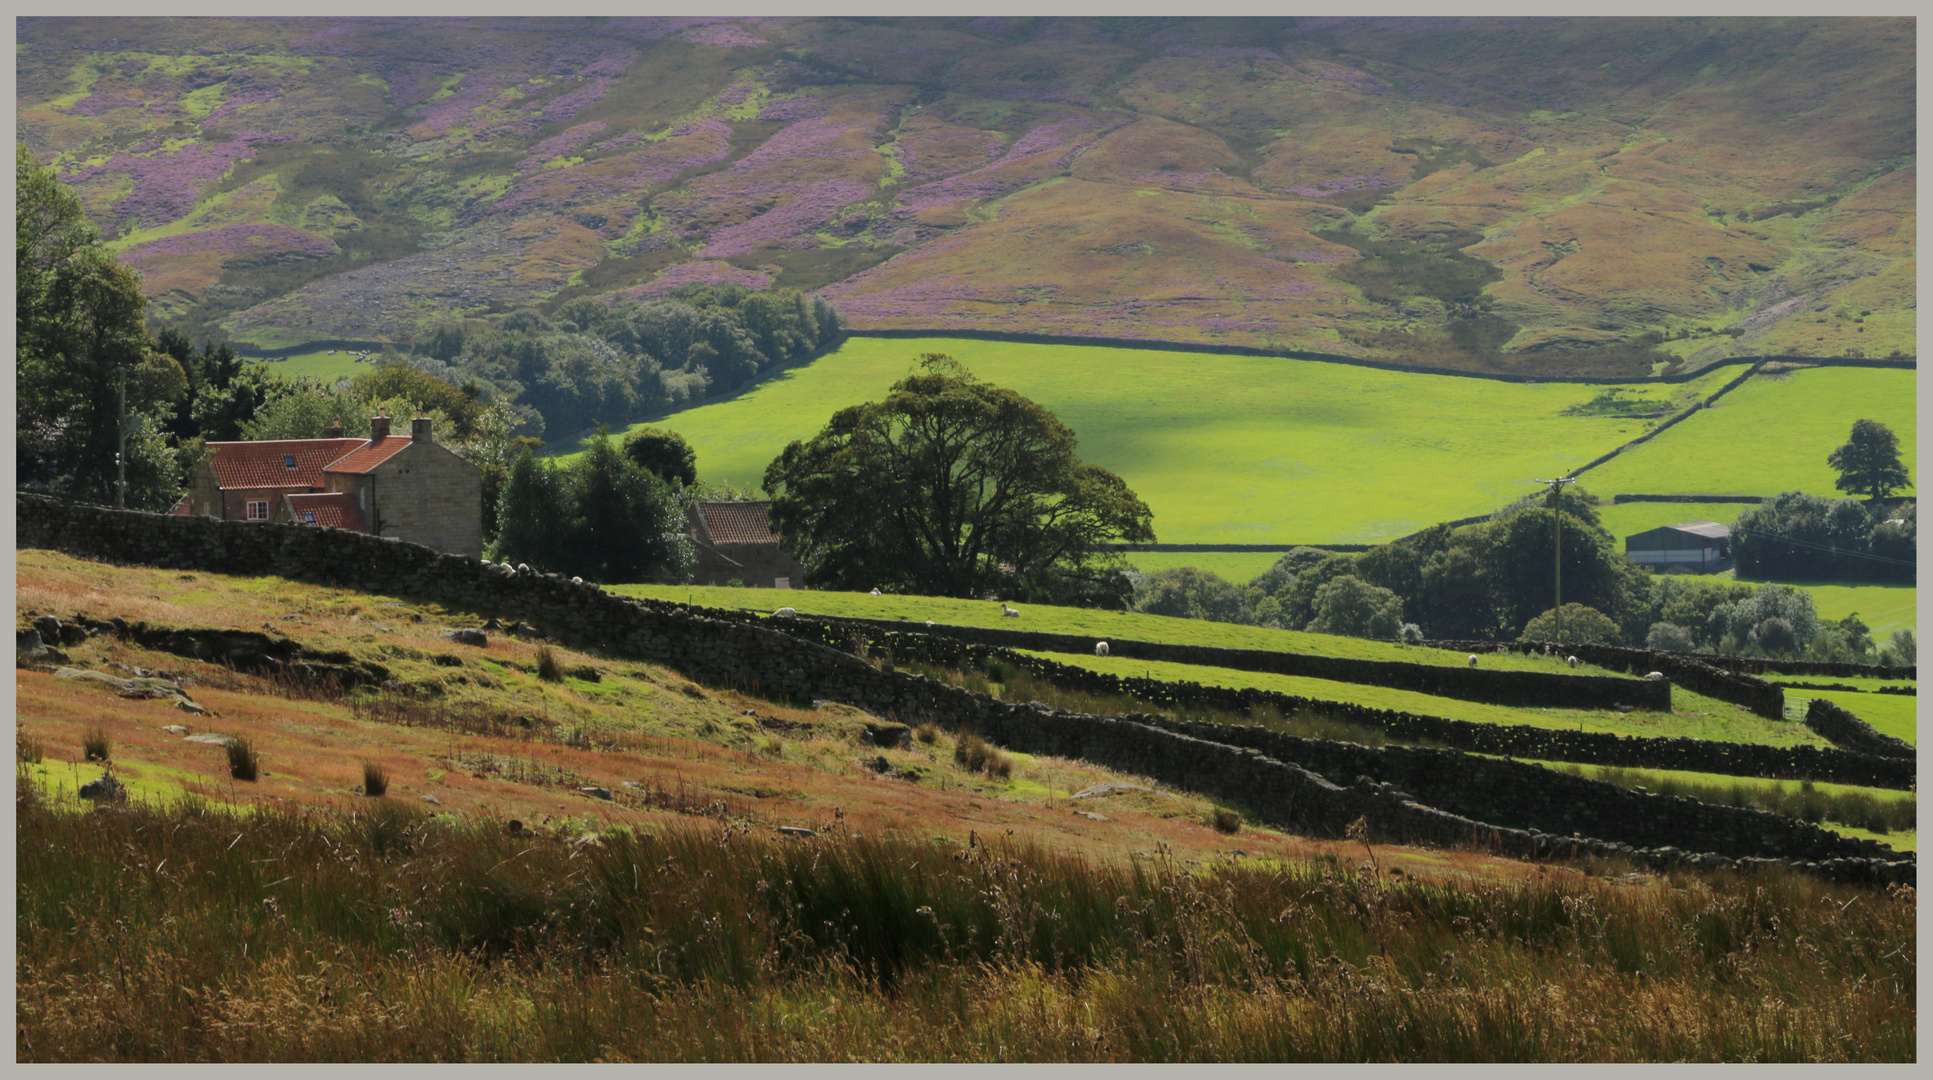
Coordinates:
[1431,190]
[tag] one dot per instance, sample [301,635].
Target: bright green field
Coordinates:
[1883,608]
[1768,436]
[1889,714]
[1098,624]
[1240,567]
[1225,449]
[320,365]
[1693,715]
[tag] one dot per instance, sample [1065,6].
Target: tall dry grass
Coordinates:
[184,933]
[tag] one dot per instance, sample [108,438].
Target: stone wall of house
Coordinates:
[756,566]
[428,495]
[1281,792]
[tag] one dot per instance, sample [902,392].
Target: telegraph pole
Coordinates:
[1556,550]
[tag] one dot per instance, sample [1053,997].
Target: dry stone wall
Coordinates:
[1279,792]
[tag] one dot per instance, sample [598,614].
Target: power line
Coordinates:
[1823,547]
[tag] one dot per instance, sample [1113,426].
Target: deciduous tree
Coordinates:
[1869,463]
[954,487]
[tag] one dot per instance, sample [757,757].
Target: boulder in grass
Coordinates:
[597,793]
[469,637]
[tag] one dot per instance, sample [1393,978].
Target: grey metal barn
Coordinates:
[1703,547]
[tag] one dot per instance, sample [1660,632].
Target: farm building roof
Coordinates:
[736,522]
[1700,533]
[1703,528]
[326,508]
[277,463]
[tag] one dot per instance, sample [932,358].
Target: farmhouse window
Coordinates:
[308,517]
[288,461]
[258,511]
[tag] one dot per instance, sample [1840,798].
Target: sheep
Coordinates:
[523,568]
[1100,648]
[1473,659]
[1654,676]
[1571,660]
[1008,612]
[577,581]
[929,622]
[875,592]
[786,611]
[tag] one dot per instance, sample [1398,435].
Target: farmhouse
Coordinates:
[397,487]
[735,542]
[1703,547]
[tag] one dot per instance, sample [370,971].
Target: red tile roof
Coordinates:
[266,464]
[370,455]
[737,522]
[329,508]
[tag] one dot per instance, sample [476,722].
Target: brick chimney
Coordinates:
[334,430]
[378,428]
[419,429]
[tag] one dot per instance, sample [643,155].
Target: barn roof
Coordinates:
[736,522]
[277,463]
[1710,529]
[335,508]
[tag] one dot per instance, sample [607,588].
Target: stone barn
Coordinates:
[735,542]
[1702,547]
[394,486]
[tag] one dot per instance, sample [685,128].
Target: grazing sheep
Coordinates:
[875,592]
[577,581]
[1100,648]
[786,611]
[1571,660]
[1473,659]
[929,622]
[1654,676]
[1007,611]
[523,568]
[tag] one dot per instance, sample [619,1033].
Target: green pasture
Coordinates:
[1239,567]
[1225,449]
[319,365]
[1092,622]
[1889,714]
[1883,608]
[1693,715]
[1770,435]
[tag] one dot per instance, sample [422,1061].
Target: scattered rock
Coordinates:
[128,688]
[794,830]
[493,624]
[597,793]
[106,789]
[888,735]
[212,739]
[433,800]
[880,765]
[1114,789]
[174,729]
[470,637]
[1094,817]
[514,827]
[446,660]
[190,707]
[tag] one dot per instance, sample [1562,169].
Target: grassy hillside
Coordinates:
[1227,449]
[1423,190]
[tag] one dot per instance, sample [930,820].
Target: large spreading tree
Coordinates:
[954,487]
[1869,463]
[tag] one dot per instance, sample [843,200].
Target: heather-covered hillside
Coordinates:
[1544,195]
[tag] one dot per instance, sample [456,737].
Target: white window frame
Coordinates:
[258,511]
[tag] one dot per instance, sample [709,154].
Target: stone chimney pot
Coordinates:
[334,430]
[419,429]
[378,428]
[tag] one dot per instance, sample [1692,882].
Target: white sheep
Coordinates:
[875,592]
[786,611]
[577,581]
[1473,659]
[523,568]
[1008,612]
[1571,660]
[1654,676]
[929,622]
[1100,648]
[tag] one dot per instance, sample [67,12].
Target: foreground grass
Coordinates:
[1227,449]
[386,936]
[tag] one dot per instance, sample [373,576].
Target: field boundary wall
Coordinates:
[1620,499]
[1535,689]
[1687,670]
[1842,728]
[767,662]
